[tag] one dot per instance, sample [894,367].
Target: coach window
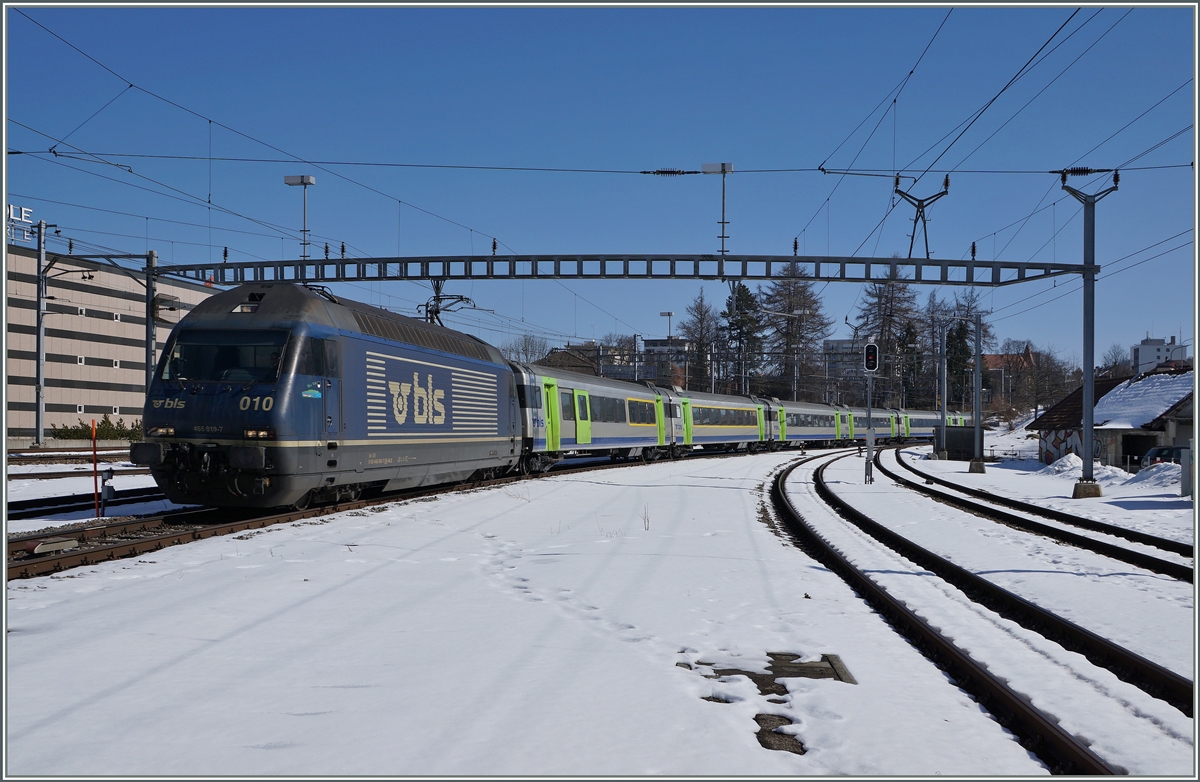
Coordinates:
[583,409]
[568,407]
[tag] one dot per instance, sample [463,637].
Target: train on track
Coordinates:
[282,394]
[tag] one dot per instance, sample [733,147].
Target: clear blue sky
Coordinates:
[621,89]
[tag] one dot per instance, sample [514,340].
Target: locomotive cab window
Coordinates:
[314,356]
[529,396]
[230,355]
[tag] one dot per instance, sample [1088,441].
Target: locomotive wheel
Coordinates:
[303,502]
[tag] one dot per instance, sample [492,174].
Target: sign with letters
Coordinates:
[408,398]
[18,224]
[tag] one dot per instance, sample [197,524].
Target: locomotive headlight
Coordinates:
[260,434]
[161,431]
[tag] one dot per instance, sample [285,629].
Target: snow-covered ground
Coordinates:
[534,628]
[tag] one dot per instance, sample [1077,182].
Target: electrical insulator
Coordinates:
[946,183]
[795,247]
[343,249]
[897,181]
[327,251]
[493,246]
[1080,171]
[1064,178]
[70,246]
[225,255]
[972,251]
[1116,178]
[871,357]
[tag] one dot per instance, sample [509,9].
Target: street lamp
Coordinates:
[303,181]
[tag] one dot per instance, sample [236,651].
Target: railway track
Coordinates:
[1174,546]
[41,476]
[32,509]
[1132,668]
[1059,750]
[1178,570]
[61,549]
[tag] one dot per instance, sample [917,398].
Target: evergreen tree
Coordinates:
[744,329]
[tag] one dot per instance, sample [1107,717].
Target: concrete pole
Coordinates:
[39,415]
[151,328]
[977,462]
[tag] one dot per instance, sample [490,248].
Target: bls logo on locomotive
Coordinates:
[171,403]
[426,405]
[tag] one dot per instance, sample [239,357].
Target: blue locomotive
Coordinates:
[279,394]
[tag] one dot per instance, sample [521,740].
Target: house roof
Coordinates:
[1180,411]
[995,361]
[1137,402]
[1121,403]
[1068,414]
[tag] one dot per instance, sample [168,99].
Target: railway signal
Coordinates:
[871,357]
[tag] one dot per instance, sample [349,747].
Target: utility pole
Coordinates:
[151,311]
[977,462]
[39,416]
[943,452]
[1087,486]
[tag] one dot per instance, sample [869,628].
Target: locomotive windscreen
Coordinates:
[237,356]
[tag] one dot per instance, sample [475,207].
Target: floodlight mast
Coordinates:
[303,181]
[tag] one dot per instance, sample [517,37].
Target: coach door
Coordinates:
[583,419]
[553,416]
[662,423]
[781,423]
[566,398]
[685,407]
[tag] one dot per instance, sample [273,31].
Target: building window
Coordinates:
[116,363]
[79,409]
[79,360]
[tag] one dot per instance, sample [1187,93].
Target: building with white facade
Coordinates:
[95,346]
[1149,353]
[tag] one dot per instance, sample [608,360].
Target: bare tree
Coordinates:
[701,329]
[1116,362]
[526,348]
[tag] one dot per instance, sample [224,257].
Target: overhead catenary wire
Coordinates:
[1108,274]
[295,158]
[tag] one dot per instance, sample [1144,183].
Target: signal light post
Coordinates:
[871,365]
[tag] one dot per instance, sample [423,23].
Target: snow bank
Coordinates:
[1162,474]
[1071,467]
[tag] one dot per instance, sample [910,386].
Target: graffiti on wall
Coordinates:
[1057,443]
